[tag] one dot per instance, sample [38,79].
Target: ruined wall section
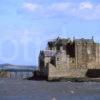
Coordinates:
[66,58]
[97,55]
[70,52]
[85,54]
[91,55]
[62,61]
[72,63]
[55,73]
[78,54]
[41,61]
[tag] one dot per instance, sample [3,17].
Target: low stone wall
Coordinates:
[16,74]
[54,73]
[3,74]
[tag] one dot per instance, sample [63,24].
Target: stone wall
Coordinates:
[16,74]
[54,73]
[85,54]
[97,55]
[4,74]
[71,58]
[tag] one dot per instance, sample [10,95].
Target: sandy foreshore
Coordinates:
[11,89]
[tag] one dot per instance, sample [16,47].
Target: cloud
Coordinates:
[84,10]
[88,11]
[60,6]
[31,7]
[86,5]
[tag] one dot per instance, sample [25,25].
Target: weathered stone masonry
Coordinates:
[69,58]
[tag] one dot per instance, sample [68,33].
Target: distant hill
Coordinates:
[17,67]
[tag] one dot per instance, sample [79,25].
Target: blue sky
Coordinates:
[27,25]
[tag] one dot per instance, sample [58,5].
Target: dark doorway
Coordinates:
[93,73]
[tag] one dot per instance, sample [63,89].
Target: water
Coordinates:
[11,89]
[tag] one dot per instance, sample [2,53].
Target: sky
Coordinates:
[27,25]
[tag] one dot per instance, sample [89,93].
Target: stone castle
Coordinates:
[65,58]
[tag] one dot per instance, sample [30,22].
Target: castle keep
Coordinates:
[65,58]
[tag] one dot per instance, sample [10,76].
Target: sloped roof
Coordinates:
[49,53]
